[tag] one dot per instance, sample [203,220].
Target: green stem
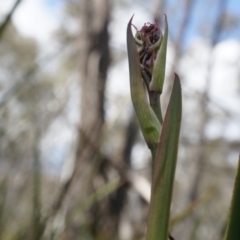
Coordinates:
[153,149]
[154,98]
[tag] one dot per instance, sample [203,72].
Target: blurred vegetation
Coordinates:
[72,160]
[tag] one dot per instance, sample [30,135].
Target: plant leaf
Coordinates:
[233,229]
[160,64]
[164,168]
[148,121]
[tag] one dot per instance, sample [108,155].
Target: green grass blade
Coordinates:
[160,64]
[148,121]
[164,168]
[233,228]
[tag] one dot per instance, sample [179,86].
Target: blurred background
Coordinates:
[73,163]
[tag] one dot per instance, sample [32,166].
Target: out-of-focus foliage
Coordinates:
[27,93]
[41,123]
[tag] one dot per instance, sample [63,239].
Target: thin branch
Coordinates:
[8,18]
[37,182]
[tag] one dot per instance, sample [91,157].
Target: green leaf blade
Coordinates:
[160,64]
[148,121]
[233,229]
[164,168]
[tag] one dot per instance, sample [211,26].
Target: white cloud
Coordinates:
[223,81]
[225,75]
[33,18]
[193,65]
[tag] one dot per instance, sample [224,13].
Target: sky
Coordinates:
[41,18]
[35,18]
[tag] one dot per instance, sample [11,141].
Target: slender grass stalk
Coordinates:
[36,200]
[233,228]
[3,193]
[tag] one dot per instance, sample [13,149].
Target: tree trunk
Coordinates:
[95,58]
